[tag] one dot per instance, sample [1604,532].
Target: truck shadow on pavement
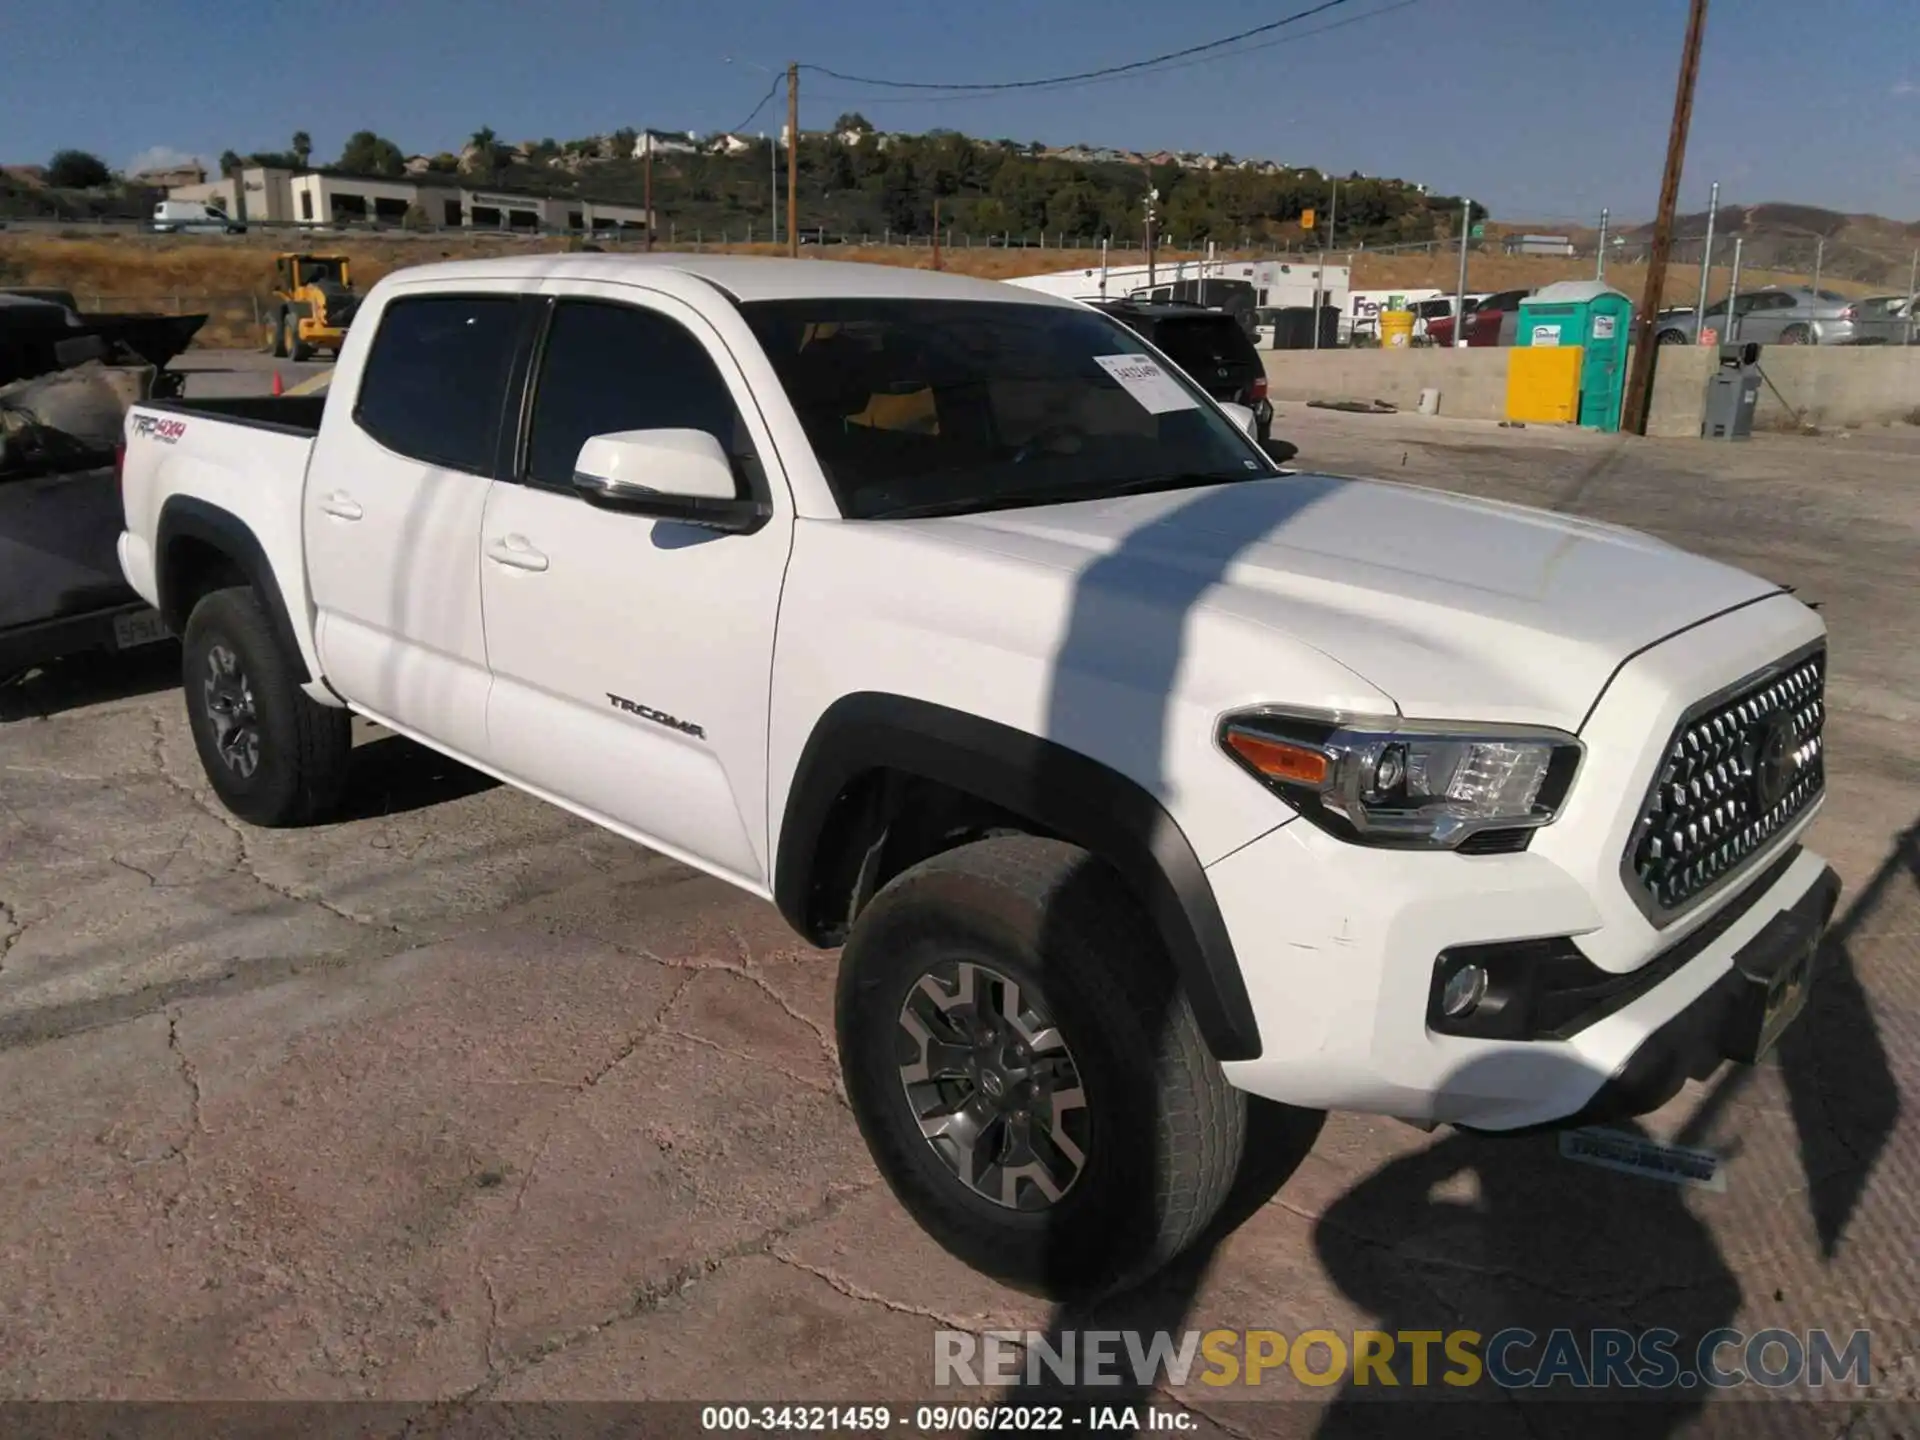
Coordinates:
[92,678]
[390,775]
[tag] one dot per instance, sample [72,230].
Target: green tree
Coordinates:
[302,147]
[77,170]
[230,162]
[624,139]
[853,121]
[366,153]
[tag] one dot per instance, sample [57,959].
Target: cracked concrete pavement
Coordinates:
[455,1098]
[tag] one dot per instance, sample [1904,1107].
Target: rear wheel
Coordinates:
[277,335]
[1670,337]
[1027,1072]
[1797,335]
[273,756]
[297,349]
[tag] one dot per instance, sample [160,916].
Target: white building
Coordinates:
[261,195]
[665,142]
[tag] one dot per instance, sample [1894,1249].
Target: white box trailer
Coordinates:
[1277,284]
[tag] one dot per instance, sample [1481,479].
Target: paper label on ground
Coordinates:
[1648,1158]
[1143,379]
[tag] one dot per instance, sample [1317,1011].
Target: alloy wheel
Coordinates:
[993,1085]
[228,696]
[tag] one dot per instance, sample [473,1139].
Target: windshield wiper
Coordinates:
[1060,494]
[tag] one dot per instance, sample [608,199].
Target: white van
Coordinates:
[193,217]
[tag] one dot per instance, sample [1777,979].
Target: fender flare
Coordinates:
[1065,793]
[184,517]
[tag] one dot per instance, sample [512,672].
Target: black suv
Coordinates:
[1209,345]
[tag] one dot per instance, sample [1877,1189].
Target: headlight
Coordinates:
[1407,783]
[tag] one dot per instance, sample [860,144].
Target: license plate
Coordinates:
[142,627]
[1785,1000]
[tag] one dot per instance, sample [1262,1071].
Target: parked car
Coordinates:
[1494,321]
[1772,315]
[1133,774]
[1880,320]
[1210,345]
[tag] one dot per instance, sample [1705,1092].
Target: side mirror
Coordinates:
[681,475]
[1241,416]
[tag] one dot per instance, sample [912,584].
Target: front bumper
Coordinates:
[1341,945]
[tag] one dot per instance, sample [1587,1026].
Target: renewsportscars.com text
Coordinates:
[1513,1359]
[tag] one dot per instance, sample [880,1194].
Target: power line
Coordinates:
[1101,78]
[1131,66]
[754,113]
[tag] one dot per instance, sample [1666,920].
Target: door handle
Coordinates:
[515,550]
[341,506]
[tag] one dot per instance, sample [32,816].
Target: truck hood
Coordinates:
[1457,608]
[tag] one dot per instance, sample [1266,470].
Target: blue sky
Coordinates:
[1542,109]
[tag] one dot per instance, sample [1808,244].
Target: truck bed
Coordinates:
[288,414]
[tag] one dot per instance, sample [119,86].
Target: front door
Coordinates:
[394,499]
[631,656]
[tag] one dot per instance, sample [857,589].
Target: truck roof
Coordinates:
[744,277]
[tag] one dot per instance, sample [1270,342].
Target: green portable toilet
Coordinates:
[1597,318]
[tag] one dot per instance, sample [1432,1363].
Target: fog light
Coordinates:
[1463,992]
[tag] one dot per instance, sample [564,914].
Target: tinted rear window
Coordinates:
[1202,345]
[436,378]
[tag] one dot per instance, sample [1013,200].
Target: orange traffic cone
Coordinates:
[278,388]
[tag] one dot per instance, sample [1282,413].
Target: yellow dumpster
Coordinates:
[1396,329]
[1543,383]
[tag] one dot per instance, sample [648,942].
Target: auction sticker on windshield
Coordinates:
[1143,379]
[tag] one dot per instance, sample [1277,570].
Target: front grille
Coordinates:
[1739,769]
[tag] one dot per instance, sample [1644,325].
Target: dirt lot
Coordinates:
[458,1099]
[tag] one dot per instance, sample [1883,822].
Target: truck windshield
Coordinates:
[919,407]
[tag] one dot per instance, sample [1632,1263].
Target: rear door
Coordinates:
[632,656]
[1213,350]
[392,509]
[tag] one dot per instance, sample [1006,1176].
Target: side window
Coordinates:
[611,367]
[436,379]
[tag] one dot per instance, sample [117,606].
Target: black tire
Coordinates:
[1163,1130]
[1670,337]
[298,749]
[1797,335]
[277,336]
[297,349]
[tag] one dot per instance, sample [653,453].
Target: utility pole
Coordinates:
[648,142]
[773,189]
[1819,255]
[1733,292]
[1640,378]
[793,158]
[936,232]
[1152,195]
[1600,254]
[1333,215]
[1460,292]
[1706,262]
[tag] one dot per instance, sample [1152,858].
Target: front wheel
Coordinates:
[277,335]
[297,349]
[1027,1071]
[1670,337]
[272,755]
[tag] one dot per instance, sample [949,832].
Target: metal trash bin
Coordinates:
[1733,393]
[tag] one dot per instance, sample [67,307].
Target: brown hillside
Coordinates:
[227,277]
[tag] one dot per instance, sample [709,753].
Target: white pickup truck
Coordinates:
[1133,773]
